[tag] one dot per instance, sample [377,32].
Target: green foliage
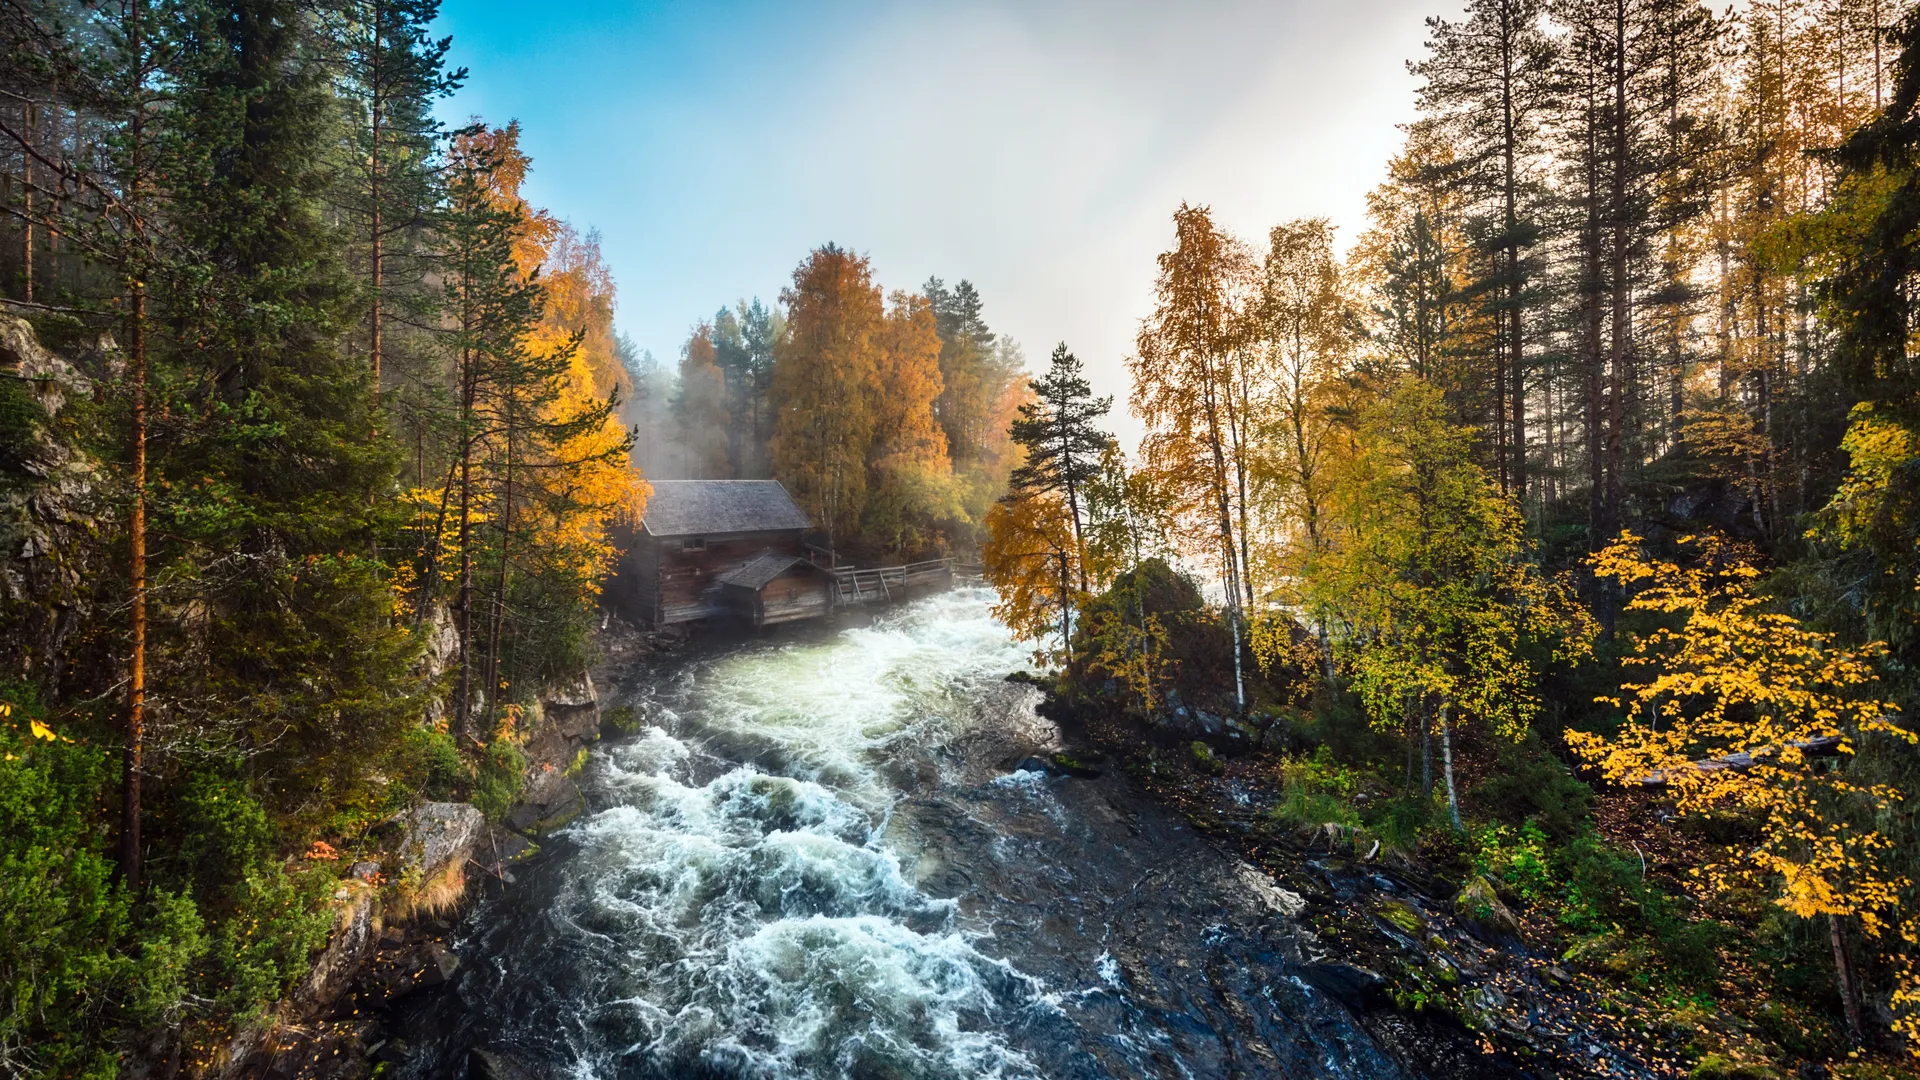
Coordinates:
[434,758]
[502,771]
[74,961]
[1518,860]
[264,921]
[1532,786]
[273,924]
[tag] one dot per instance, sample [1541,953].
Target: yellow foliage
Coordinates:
[1029,558]
[1727,676]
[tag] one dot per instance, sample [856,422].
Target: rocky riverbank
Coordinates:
[1409,942]
[396,907]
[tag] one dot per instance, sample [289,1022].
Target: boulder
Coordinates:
[356,931]
[439,838]
[52,379]
[1484,914]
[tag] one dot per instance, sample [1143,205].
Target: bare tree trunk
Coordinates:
[26,220]
[496,632]
[1843,972]
[1446,750]
[137,516]
[137,559]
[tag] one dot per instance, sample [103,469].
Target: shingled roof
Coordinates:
[756,574]
[708,507]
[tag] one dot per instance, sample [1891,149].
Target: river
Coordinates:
[817,860]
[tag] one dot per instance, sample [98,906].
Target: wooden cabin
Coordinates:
[709,549]
[777,588]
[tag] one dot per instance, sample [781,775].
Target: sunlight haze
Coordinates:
[1036,150]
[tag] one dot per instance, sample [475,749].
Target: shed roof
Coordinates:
[705,507]
[756,574]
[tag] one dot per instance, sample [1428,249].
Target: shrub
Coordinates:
[503,769]
[71,964]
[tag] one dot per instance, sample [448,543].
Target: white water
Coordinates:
[751,919]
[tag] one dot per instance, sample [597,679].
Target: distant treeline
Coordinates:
[885,415]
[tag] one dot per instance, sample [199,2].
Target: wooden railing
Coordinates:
[879,584]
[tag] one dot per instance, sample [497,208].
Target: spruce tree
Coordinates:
[1064,447]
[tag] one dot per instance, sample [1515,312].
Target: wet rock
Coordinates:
[442,965]
[491,1065]
[1355,987]
[1033,765]
[1484,914]
[1404,917]
[393,1052]
[355,933]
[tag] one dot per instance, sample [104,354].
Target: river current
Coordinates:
[817,859]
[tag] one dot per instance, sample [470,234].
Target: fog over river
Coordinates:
[817,860]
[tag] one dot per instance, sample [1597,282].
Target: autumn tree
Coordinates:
[823,387]
[1302,327]
[911,476]
[1758,694]
[1438,608]
[1197,442]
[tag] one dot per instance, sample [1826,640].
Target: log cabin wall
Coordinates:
[802,592]
[682,583]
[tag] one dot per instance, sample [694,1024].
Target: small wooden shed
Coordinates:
[697,533]
[776,589]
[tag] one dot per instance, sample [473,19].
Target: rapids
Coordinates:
[815,861]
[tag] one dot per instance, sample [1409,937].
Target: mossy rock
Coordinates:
[1075,766]
[1403,916]
[1479,906]
[620,720]
[1204,758]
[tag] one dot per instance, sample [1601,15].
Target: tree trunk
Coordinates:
[496,632]
[1426,750]
[137,515]
[137,559]
[1446,750]
[1843,973]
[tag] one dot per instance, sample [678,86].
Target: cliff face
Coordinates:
[52,498]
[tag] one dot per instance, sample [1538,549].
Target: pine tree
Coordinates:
[394,72]
[1064,448]
[1488,81]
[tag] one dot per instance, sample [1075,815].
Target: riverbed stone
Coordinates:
[1355,987]
[1484,914]
[439,836]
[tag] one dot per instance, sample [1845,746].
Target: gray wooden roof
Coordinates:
[710,507]
[756,574]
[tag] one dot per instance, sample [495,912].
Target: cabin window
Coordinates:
[694,543]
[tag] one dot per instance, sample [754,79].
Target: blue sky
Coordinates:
[1037,148]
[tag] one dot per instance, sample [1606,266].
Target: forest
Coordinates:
[1577,492]
[1558,535]
[886,416]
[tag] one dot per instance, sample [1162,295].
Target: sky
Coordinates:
[1037,148]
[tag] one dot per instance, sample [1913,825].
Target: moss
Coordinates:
[1402,915]
[621,720]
